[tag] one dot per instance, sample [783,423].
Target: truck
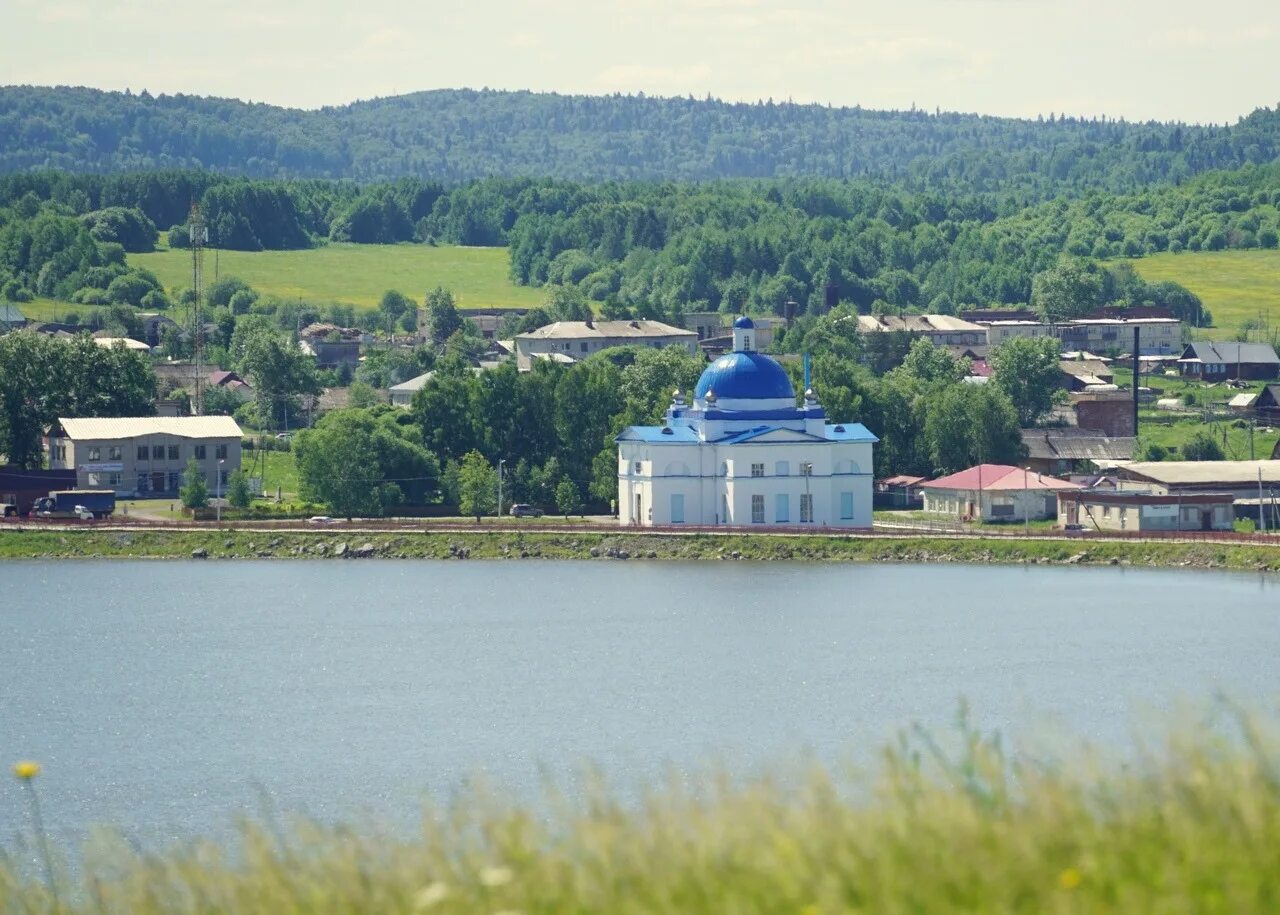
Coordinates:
[85,504]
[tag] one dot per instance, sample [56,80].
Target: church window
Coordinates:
[757,470]
[783,468]
[757,509]
[636,468]
[846,506]
[806,508]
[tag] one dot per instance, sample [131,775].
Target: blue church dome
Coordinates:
[744,323]
[745,376]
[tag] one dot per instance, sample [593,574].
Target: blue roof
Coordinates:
[744,323]
[657,434]
[849,432]
[745,376]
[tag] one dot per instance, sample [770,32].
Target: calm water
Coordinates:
[168,697]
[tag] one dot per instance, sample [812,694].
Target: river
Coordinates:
[168,697]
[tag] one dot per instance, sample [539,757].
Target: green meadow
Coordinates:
[1236,286]
[357,274]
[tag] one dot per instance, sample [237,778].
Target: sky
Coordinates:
[1137,59]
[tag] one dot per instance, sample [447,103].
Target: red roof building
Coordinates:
[995,492]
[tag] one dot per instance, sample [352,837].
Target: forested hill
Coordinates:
[455,135]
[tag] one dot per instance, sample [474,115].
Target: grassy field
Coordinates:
[358,274]
[1234,285]
[941,823]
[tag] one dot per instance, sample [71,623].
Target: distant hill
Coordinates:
[456,135]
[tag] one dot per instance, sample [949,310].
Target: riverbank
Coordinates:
[213,544]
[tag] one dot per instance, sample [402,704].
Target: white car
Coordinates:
[321,519]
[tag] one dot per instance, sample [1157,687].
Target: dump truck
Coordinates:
[85,504]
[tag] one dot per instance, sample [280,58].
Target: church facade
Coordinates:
[741,453]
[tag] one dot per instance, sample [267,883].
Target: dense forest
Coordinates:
[460,135]
[652,249]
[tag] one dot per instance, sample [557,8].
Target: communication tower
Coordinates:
[199,238]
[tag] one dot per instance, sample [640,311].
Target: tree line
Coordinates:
[460,135]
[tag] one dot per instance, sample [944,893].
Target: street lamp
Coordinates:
[219,497]
[501,463]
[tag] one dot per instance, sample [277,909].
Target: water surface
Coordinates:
[166,697]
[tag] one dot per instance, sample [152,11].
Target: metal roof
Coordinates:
[1205,473]
[998,476]
[83,429]
[1073,445]
[128,343]
[918,324]
[581,330]
[1228,353]
[12,314]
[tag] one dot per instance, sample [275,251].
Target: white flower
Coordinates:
[495,876]
[429,895]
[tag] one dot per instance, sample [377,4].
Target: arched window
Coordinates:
[846,467]
[677,469]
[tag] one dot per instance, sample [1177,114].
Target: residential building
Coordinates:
[569,341]
[1068,450]
[942,330]
[901,491]
[1000,331]
[742,453]
[1221,361]
[1145,510]
[706,324]
[230,381]
[995,492]
[1242,479]
[331,345]
[144,455]
[1266,404]
[153,327]
[1156,336]
[1082,374]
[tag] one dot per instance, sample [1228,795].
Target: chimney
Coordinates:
[590,323]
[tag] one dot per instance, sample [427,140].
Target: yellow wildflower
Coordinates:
[495,876]
[26,770]
[1070,878]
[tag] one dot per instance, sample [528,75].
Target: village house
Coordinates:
[1222,361]
[994,492]
[144,455]
[230,381]
[1145,510]
[331,345]
[1069,450]
[11,318]
[1266,404]
[1082,374]
[570,341]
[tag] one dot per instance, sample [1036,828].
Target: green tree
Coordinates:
[443,320]
[238,493]
[1070,289]
[392,308]
[1202,447]
[477,485]
[568,498]
[1027,370]
[195,490]
[281,373]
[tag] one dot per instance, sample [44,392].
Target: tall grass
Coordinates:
[1191,826]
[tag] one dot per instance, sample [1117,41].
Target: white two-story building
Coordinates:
[742,453]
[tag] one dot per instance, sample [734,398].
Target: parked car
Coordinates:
[321,519]
[524,510]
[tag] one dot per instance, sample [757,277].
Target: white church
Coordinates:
[742,453]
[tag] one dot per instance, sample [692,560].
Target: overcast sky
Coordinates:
[1164,59]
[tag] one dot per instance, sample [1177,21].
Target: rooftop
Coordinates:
[83,429]
[917,324]
[997,477]
[1204,473]
[1074,444]
[576,330]
[1254,353]
[128,343]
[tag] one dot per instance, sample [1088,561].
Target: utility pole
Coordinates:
[199,237]
[1137,379]
[1262,515]
[501,464]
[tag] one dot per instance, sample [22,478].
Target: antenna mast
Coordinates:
[199,238]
